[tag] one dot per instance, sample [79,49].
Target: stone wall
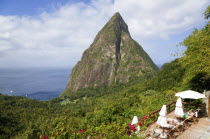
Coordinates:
[206,102]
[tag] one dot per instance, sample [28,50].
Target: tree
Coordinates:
[200,82]
[196,57]
[207,13]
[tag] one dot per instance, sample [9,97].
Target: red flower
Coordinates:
[132,127]
[128,132]
[80,131]
[44,138]
[140,124]
[145,117]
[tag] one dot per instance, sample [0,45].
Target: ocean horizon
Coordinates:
[35,83]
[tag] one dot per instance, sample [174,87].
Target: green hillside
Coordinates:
[26,118]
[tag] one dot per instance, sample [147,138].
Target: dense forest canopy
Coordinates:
[196,58]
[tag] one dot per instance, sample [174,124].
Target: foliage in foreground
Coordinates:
[105,116]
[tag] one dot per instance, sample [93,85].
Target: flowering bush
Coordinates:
[80,131]
[132,127]
[112,130]
[140,124]
[145,117]
[44,138]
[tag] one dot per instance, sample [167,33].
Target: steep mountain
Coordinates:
[113,57]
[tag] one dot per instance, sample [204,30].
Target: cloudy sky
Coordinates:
[54,33]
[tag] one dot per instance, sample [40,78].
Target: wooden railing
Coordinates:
[191,104]
[153,116]
[187,105]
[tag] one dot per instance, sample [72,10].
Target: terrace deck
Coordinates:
[201,130]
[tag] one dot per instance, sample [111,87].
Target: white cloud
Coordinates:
[161,18]
[59,38]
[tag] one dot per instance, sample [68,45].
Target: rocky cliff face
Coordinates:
[113,57]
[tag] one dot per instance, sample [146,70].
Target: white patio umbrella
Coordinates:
[135,121]
[179,110]
[162,118]
[190,94]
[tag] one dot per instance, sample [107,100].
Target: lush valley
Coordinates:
[91,113]
[106,111]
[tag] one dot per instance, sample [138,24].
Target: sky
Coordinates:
[55,33]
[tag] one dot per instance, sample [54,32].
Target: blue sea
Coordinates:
[35,83]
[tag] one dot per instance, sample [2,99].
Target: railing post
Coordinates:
[169,108]
[174,105]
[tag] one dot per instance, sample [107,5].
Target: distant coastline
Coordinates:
[34,83]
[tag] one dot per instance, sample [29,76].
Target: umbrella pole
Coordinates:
[163,131]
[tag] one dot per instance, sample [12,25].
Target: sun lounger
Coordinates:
[173,130]
[158,133]
[192,119]
[153,134]
[179,127]
[163,133]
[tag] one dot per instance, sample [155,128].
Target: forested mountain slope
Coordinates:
[113,57]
